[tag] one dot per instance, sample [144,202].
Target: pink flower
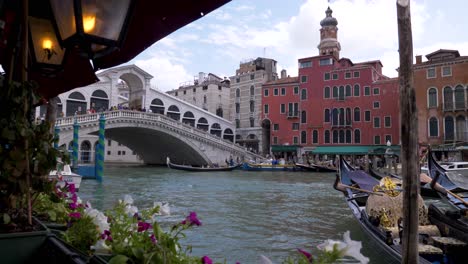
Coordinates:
[206,260]
[192,219]
[153,239]
[143,226]
[71,188]
[75,215]
[72,206]
[306,254]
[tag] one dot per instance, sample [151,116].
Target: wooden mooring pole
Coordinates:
[409,136]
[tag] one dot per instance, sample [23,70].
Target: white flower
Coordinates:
[88,205]
[164,208]
[78,200]
[348,247]
[128,200]
[99,219]
[131,210]
[101,247]
[264,260]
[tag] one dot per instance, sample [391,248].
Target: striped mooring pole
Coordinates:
[99,165]
[56,137]
[76,129]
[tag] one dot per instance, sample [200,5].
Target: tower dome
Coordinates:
[329,20]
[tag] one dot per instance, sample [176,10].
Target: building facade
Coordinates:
[208,92]
[246,101]
[332,102]
[441,98]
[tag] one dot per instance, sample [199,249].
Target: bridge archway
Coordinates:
[76,103]
[173,112]
[136,89]
[202,124]
[216,129]
[85,151]
[157,106]
[189,119]
[228,134]
[99,101]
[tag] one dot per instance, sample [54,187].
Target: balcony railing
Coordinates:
[339,125]
[456,137]
[293,114]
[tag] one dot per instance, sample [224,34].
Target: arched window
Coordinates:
[348,116]
[252,106]
[348,90]
[341,117]
[357,114]
[448,98]
[335,117]
[252,90]
[449,128]
[173,112]
[342,93]
[342,136]
[335,136]
[99,101]
[204,99]
[237,108]
[303,137]
[459,97]
[189,118]
[303,117]
[433,127]
[157,106]
[432,97]
[215,129]
[315,136]
[76,104]
[326,136]
[357,136]
[304,94]
[326,92]
[326,115]
[237,92]
[461,128]
[85,151]
[202,124]
[335,92]
[357,90]
[348,136]
[228,135]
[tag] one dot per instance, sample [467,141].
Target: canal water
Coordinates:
[244,214]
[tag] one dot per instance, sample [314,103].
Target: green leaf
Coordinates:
[119,259]
[52,215]
[138,252]
[6,218]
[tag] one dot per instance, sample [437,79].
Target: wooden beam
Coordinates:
[409,135]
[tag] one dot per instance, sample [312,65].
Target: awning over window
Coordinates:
[284,148]
[355,150]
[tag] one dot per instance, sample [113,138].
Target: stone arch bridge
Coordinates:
[155,136]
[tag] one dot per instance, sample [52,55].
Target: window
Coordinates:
[252,122]
[366,90]
[276,92]
[275,127]
[388,138]
[237,108]
[433,127]
[357,114]
[335,92]
[348,90]
[252,90]
[459,97]
[185,91]
[335,117]
[357,136]
[342,136]
[367,116]
[266,109]
[296,90]
[176,94]
[448,98]
[388,122]
[205,87]
[237,123]
[194,90]
[109,142]
[326,92]
[376,91]
[376,105]
[449,128]
[347,75]
[432,97]
[446,71]
[303,137]
[303,79]
[356,74]
[430,73]
[341,95]
[326,116]
[335,76]
[348,116]
[266,92]
[326,136]
[282,108]
[283,91]
[376,122]
[119,152]
[237,92]
[315,137]
[324,62]
[326,76]
[348,136]
[335,136]
[295,126]
[219,87]
[108,152]
[305,64]
[303,117]
[275,140]
[252,106]
[252,76]
[237,80]
[295,140]
[377,140]
[304,94]
[123,152]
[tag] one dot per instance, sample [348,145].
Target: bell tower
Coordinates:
[329,44]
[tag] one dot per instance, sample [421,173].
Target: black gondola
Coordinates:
[357,200]
[451,186]
[315,167]
[200,169]
[425,188]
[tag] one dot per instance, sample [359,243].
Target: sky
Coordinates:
[289,30]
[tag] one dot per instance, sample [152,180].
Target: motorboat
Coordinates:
[63,174]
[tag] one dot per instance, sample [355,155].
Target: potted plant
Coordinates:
[26,158]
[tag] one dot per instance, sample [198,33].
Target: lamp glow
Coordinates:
[89,22]
[47,44]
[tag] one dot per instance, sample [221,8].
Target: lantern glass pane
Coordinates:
[104,18]
[45,44]
[65,17]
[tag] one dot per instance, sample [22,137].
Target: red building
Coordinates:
[334,105]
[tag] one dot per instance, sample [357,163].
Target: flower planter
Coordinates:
[21,247]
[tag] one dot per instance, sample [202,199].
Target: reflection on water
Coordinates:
[244,214]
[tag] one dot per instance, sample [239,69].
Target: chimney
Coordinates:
[418,59]
[283,73]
